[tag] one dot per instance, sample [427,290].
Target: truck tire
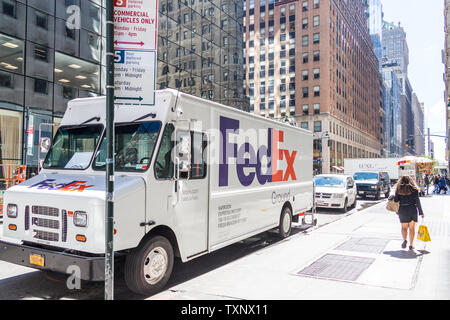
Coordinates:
[285,227]
[149,266]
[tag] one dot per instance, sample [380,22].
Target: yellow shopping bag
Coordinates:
[423,234]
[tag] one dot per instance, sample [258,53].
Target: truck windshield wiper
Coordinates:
[151,114]
[93,118]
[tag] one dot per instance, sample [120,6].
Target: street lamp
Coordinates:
[319,137]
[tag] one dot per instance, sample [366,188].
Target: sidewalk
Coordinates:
[357,257]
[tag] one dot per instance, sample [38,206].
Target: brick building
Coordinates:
[313,61]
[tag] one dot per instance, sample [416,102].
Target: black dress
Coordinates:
[409,206]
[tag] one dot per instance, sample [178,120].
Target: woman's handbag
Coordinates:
[392,205]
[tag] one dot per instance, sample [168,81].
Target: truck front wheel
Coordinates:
[149,266]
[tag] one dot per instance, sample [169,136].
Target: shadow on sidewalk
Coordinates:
[406,254]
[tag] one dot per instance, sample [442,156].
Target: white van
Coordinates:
[335,191]
[191,176]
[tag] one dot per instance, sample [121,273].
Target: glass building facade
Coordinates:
[52,51]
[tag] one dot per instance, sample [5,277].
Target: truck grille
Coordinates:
[48,218]
[46,223]
[27,217]
[45,211]
[44,235]
[64,226]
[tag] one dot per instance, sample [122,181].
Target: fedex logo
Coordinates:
[249,162]
[50,184]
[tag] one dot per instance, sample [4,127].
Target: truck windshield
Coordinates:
[134,145]
[73,147]
[329,182]
[365,176]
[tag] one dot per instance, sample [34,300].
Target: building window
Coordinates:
[305,6]
[317,126]
[316,56]
[316,108]
[316,73]
[305,75]
[305,93]
[68,92]
[315,4]
[304,125]
[41,53]
[40,86]
[305,23]
[305,41]
[11,53]
[76,73]
[9,8]
[316,21]
[317,91]
[41,20]
[6,80]
[316,38]
[305,110]
[305,57]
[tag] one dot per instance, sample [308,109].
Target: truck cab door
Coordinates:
[190,205]
[182,186]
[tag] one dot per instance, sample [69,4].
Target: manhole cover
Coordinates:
[337,267]
[369,245]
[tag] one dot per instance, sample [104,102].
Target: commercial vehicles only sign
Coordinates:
[135,44]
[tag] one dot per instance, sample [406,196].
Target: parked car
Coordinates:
[372,184]
[335,191]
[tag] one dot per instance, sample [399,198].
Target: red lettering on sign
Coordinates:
[120,3]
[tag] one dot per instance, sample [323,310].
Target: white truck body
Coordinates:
[389,165]
[243,181]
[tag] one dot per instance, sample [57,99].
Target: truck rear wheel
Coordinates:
[149,266]
[285,227]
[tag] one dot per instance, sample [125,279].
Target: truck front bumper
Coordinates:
[90,268]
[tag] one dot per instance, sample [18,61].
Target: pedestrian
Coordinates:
[427,182]
[407,193]
[442,185]
[436,184]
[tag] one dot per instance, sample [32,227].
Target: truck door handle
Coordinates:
[150,223]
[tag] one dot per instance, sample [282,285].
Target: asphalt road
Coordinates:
[18,282]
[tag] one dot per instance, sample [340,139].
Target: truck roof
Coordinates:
[82,109]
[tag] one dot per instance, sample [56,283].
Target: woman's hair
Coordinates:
[406,185]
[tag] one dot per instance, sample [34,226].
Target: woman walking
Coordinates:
[407,193]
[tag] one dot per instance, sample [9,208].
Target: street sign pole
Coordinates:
[109,212]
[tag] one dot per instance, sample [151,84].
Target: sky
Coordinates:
[423,22]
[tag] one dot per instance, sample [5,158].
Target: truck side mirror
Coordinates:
[45,144]
[183,155]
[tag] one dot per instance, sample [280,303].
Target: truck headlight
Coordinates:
[12,211]
[338,195]
[80,219]
[374,187]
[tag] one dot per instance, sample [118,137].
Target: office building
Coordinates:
[54,51]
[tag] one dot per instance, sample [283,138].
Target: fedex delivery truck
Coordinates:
[191,176]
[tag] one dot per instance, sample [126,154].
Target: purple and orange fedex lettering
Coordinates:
[50,184]
[248,157]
